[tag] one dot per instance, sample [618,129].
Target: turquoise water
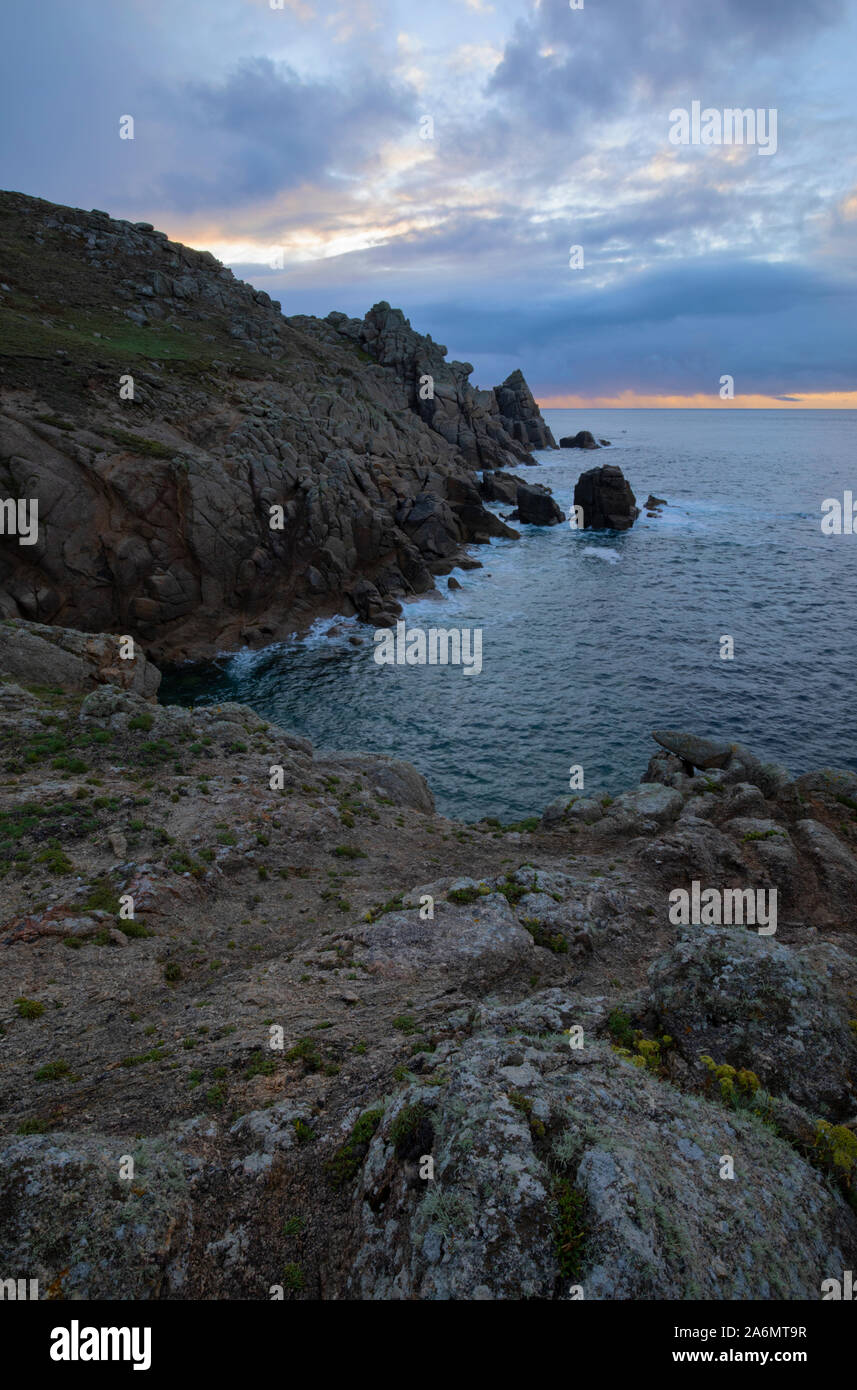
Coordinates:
[590,640]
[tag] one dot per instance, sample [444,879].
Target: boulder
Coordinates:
[698,752]
[749,1001]
[606,498]
[582,440]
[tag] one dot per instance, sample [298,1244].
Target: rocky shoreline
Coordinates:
[357,1050]
[270,1025]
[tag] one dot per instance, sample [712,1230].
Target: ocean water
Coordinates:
[592,639]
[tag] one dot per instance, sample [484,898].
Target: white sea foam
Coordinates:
[601,552]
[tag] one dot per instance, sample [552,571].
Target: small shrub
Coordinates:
[29,1008]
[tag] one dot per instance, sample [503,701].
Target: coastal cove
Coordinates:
[590,640]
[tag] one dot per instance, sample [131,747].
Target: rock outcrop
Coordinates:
[497,486]
[574,1064]
[536,507]
[606,498]
[582,440]
[35,654]
[208,472]
[519,414]
[490,429]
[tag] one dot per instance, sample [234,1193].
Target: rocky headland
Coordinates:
[209,472]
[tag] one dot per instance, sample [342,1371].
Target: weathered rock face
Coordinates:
[606,498]
[35,654]
[536,506]
[519,414]
[491,429]
[582,440]
[498,486]
[157,511]
[733,995]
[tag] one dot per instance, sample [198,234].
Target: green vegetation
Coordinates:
[33,1126]
[412,1122]
[154,1055]
[259,1065]
[512,890]
[569,1228]
[392,905]
[101,897]
[543,936]
[738,1087]
[525,1105]
[54,1071]
[344,1164]
[836,1153]
[468,894]
[405,1023]
[619,1027]
[29,1008]
[293,1278]
[146,448]
[306,1052]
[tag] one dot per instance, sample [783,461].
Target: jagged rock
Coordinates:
[835,864]
[644,1158]
[606,498]
[490,428]
[396,779]
[497,486]
[519,414]
[536,507]
[652,503]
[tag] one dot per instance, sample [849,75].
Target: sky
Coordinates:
[447,157]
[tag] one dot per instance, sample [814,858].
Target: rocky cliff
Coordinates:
[208,471]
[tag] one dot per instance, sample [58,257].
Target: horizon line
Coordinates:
[629,400]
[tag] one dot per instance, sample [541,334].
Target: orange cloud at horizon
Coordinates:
[632,400]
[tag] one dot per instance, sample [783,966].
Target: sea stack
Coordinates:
[606,498]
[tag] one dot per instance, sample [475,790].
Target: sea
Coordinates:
[590,640]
